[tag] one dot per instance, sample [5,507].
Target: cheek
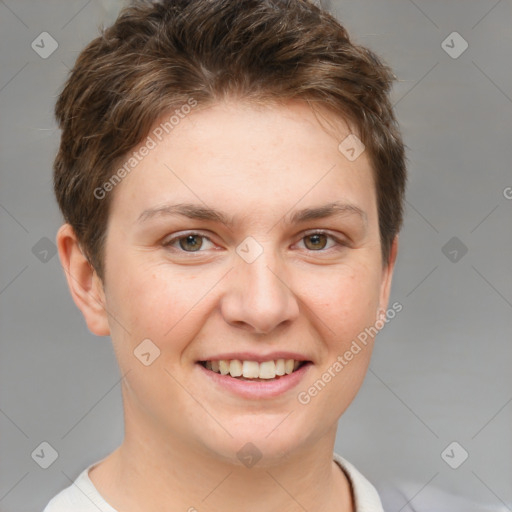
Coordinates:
[152,302]
[345,300]
[346,305]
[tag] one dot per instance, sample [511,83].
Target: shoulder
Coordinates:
[366,497]
[80,496]
[409,496]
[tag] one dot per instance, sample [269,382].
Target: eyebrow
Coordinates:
[198,212]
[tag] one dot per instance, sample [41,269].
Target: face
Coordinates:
[243,240]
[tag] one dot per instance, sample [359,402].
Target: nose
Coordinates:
[259,298]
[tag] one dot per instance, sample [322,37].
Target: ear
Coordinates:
[84,284]
[387,275]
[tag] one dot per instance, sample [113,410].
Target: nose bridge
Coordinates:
[261,279]
[259,297]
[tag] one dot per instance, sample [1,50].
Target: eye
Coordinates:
[191,242]
[318,240]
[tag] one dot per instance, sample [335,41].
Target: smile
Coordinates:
[253,370]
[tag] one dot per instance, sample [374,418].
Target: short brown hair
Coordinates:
[157,56]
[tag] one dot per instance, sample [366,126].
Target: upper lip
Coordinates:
[260,358]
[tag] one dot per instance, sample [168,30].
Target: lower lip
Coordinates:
[257,389]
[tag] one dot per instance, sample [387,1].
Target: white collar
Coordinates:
[366,496]
[83,492]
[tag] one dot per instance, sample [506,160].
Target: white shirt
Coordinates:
[82,495]
[408,496]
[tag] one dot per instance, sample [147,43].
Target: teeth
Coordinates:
[223,367]
[267,370]
[235,368]
[253,369]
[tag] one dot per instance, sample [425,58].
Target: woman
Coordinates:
[232,178]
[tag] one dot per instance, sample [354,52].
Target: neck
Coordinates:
[148,472]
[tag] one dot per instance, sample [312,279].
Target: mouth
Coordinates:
[247,370]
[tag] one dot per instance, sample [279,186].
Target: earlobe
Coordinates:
[84,284]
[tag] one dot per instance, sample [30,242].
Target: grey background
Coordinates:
[441,368]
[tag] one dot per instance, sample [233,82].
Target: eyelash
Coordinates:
[339,243]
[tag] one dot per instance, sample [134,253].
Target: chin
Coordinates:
[258,441]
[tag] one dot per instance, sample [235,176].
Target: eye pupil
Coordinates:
[192,240]
[318,241]
[192,243]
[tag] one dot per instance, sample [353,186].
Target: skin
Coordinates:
[258,164]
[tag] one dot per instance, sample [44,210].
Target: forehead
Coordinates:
[244,157]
